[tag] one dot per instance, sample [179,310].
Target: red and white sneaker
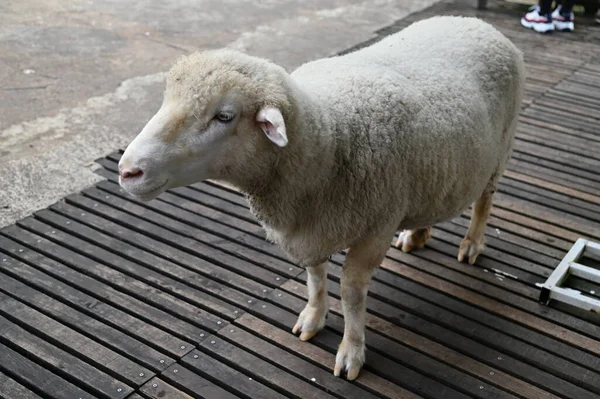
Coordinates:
[563,21]
[539,23]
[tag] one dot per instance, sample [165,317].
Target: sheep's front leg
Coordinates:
[312,318]
[473,243]
[356,274]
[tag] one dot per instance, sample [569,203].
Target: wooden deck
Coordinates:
[102,296]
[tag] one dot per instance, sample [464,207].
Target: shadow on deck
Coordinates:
[102,296]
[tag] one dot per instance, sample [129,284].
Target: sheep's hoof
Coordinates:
[310,322]
[411,239]
[471,249]
[349,358]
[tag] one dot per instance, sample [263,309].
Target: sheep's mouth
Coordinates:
[148,195]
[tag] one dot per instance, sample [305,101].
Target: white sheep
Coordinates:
[344,151]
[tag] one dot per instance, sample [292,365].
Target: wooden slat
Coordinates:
[446,316]
[78,345]
[285,339]
[124,255]
[494,359]
[183,381]
[467,364]
[9,388]
[124,302]
[237,382]
[324,379]
[109,336]
[36,377]
[383,366]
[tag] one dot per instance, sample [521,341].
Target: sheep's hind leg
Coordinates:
[312,318]
[411,239]
[473,243]
[356,274]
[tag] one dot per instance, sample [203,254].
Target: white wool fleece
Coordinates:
[404,133]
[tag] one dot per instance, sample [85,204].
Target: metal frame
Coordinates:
[552,290]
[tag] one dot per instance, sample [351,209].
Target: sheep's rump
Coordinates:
[424,119]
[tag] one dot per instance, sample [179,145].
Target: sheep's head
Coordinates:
[222,117]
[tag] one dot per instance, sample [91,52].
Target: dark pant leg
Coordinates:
[567,6]
[545,7]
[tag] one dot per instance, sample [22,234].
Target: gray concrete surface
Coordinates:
[80,78]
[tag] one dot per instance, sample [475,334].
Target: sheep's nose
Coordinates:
[130,173]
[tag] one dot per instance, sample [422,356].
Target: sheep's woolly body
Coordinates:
[399,135]
[412,130]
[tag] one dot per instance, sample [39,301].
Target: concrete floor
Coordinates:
[80,78]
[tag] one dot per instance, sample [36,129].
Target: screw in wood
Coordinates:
[154,385]
[175,370]
[231,331]
[161,360]
[212,342]
[182,346]
[277,278]
[68,222]
[218,322]
[83,214]
[141,374]
[119,389]
[264,306]
[201,335]
[20,250]
[313,379]
[195,356]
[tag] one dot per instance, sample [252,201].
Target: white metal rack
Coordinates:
[552,289]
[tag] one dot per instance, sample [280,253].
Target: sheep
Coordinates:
[345,151]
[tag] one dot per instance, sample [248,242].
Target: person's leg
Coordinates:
[545,7]
[567,6]
[539,18]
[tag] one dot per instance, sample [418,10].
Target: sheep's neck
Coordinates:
[300,173]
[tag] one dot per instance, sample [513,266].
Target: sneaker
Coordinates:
[539,23]
[563,21]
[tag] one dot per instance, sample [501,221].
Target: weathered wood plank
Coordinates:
[260,369]
[285,339]
[465,363]
[487,354]
[301,369]
[60,361]
[124,255]
[31,374]
[70,341]
[183,381]
[10,389]
[384,367]
[408,304]
[237,382]
[25,240]
[123,273]
[111,337]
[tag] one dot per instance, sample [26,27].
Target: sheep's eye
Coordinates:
[225,117]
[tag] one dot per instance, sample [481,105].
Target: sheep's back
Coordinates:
[422,118]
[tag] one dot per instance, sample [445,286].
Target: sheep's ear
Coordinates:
[272,123]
